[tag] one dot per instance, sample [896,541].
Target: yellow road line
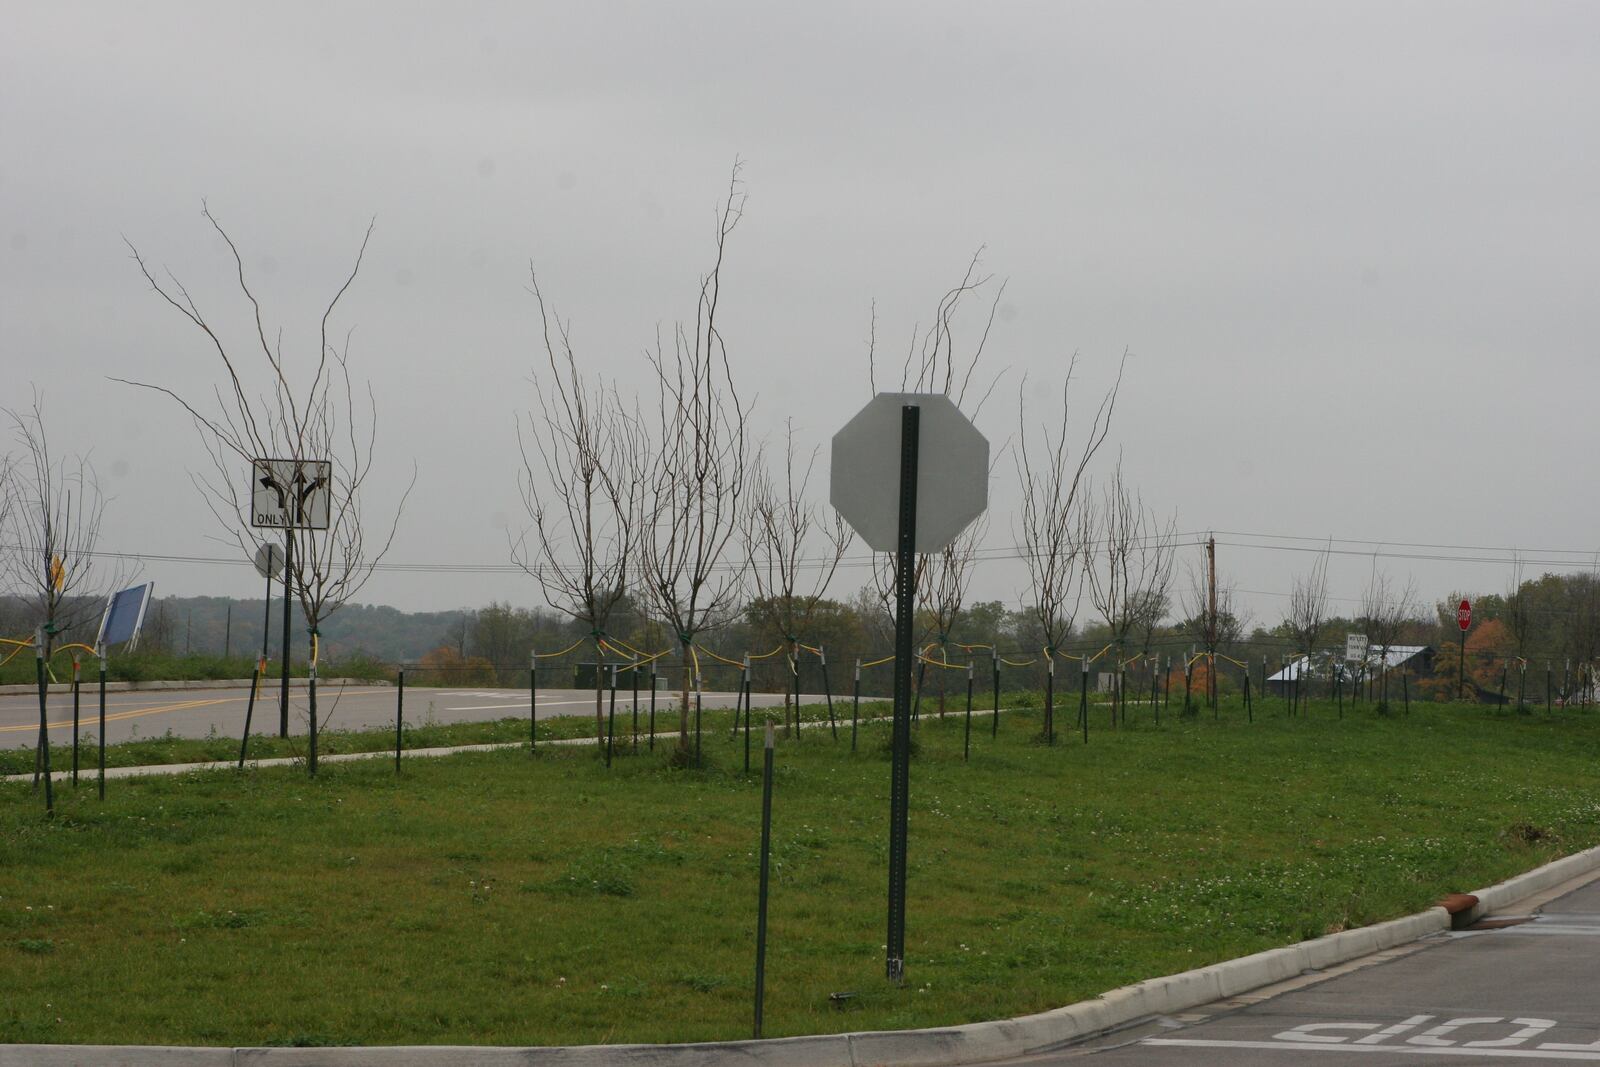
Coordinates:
[94,715]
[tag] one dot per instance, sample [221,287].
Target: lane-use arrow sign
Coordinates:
[291,493]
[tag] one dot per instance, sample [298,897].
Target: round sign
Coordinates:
[1464,613]
[269,560]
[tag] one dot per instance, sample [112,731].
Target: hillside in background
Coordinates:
[214,625]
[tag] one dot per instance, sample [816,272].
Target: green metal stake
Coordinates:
[1050,697]
[74,720]
[250,708]
[611,718]
[827,690]
[399,714]
[533,701]
[994,662]
[761,899]
[101,652]
[855,705]
[1083,703]
[44,724]
[966,744]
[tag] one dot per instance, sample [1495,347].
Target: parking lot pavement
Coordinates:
[1528,991]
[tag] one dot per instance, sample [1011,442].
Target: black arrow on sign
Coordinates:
[303,491]
[269,482]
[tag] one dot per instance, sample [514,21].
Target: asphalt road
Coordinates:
[199,712]
[1526,992]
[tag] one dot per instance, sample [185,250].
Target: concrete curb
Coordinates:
[938,1047]
[91,684]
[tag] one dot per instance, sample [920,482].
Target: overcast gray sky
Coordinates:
[1351,248]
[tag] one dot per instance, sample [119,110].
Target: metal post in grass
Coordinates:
[855,704]
[994,662]
[1083,702]
[966,742]
[916,704]
[1249,711]
[748,681]
[794,672]
[611,716]
[44,722]
[904,620]
[75,720]
[761,896]
[101,652]
[1549,706]
[1050,696]
[283,682]
[652,705]
[533,701]
[1505,669]
[250,708]
[1522,681]
[697,718]
[633,670]
[1155,703]
[827,690]
[399,713]
[311,705]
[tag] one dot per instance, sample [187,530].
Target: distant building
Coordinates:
[1319,669]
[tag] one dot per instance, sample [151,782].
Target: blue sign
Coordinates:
[125,615]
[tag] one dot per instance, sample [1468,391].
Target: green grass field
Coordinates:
[504,898]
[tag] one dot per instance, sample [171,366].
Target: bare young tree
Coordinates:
[1049,524]
[949,577]
[933,364]
[1387,610]
[1308,605]
[780,526]
[693,496]
[276,411]
[51,510]
[1130,562]
[582,485]
[1216,626]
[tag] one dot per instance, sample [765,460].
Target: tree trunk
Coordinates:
[685,745]
[599,694]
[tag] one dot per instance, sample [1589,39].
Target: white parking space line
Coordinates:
[1307,1046]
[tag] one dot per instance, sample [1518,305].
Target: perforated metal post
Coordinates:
[101,652]
[44,723]
[966,742]
[900,773]
[399,713]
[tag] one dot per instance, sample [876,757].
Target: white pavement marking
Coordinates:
[1309,1046]
[513,707]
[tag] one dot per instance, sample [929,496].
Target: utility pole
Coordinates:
[1211,618]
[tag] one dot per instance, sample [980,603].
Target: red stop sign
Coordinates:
[1464,613]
